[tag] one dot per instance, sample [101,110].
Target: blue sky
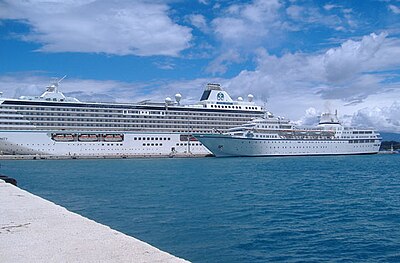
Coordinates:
[301,57]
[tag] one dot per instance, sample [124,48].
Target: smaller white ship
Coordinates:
[275,136]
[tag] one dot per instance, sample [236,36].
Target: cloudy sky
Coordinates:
[299,58]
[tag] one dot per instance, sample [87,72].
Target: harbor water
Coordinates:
[291,209]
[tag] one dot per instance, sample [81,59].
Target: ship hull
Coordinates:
[228,146]
[133,144]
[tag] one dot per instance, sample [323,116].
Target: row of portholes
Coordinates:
[192,144]
[267,136]
[294,141]
[152,144]
[151,138]
[232,107]
[297,147]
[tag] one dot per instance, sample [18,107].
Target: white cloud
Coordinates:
[247,24]
[311,117]
[394,9]
[295,12]
[204,2]
[289,93]
[113,27]
[355,56]
[198,21]
[304,17]
[351,76]
[329,7]
[345,66]
[241,28]
[34,84]
[382,118]
[220,64]
[386,118]
[267,23]
[166,65]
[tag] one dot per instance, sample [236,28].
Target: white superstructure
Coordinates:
[53,124]
[272,136]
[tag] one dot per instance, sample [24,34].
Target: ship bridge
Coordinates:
[52,94]
[214,92]
[329,121]
[215,97]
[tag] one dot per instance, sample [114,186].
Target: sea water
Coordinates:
[292,209]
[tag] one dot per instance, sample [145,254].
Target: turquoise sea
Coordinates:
[292,209]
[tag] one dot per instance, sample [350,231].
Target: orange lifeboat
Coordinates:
[88,138]
[113,137]
[63,137]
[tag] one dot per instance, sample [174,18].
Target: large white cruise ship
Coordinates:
[274,136]
[53,124]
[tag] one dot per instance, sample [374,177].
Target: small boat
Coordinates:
[88,138]
[113,137]
[63,137]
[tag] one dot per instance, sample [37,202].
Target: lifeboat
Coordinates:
[63,137]
[113,137]
[88,138]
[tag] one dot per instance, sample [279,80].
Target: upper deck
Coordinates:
[215,100]
[53,110]
[329,128]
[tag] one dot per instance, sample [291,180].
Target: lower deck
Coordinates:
[128,144]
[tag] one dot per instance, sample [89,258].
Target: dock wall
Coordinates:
[33,229]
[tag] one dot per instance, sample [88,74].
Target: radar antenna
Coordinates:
[328,107]
[54,85]
[58,82]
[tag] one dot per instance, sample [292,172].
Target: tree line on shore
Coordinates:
[387,145]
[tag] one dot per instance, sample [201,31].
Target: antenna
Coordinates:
[54,85]
[58,81]
[328,106]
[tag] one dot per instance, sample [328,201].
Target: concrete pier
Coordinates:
[33,229]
